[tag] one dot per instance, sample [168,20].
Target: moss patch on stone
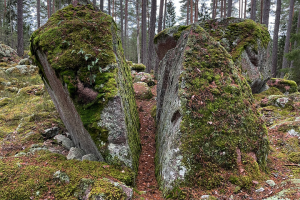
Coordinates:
[283,85]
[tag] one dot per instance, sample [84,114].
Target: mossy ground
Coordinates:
[71,39]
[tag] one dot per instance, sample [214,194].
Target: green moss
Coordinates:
[78,55]
[104,188]
[284,85]
[153,112]
[177,193]
[138,67]
[180,29]
[294,157]
[270,91]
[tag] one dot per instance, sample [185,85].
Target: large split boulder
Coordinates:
[81,61]
[8,54]
[206,121]
[249,45]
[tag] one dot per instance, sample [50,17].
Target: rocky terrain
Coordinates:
[197,132]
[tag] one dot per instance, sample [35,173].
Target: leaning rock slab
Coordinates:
[206,120]
[81,60]
[249,45]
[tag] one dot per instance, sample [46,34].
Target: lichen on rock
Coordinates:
[81,61]
[206,119]
[248,43]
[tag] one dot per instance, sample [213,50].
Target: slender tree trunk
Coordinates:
[144,31]
[229,8]
[187,12]
[109,9]
[59,4]
[138,31]
[196,10]
[53,7]
[253,10]
[48,8]
[192,17]
[101,4]
[94,2]
[288,36]
[20,49]
[113,9]
[261,10]
[245,9]
[165,14]
[297,31]
[275,39]
[213,9]
[122,28]
[266,12]
[221,8]
[160,17]
[225,9]
[126,27]
[38,8]
[151,58]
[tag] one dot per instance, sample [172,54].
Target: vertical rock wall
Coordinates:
[205,117]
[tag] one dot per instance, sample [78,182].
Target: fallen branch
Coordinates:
[295,165]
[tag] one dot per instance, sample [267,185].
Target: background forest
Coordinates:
[140,20]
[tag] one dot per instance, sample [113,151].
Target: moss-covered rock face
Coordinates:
[249,45]
[82,64]
[285,86]
[206,119]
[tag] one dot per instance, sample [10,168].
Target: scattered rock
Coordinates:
[90,157]
[84,189]
[22,70]
[292,132]
[144,77]
[24,61]
[20,154]
[8,54]
[62,176]
[75,153]
[285,86]
[50,133]
[281,102]
[142,90]
[260,190]
[205,197]
[32,90]
[66,142]
[271,183]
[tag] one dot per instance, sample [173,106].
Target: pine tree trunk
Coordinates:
[38,10]
[288,36]
[187,12]
[225,9]
[253,10]
[113,9]
[221,8]
[138,31]
[109,9]
[213,9]
[122,28]
[192,17]
[245,9]
[151,57]
[196,10]
[229,8]
[101,5]
[94,2]
[53,7]
[126,27]
[297,31]
[275,39]
[165,14]
[20,49]
[160,17]
[144,31]
[48,8]
[261,10]
[266,12]
[59,4]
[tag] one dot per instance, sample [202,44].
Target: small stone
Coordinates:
[271,183]
[24,61]
[90,157]
[20,154]
[281,102]
[205,197]
[50,133]
[255,182]
[66,142]
[75,153]
[260,190]
[62,176]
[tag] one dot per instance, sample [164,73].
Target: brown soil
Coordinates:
[146,180]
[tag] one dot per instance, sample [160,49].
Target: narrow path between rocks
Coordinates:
[146,180]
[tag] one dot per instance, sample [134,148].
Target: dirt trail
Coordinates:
[146,180]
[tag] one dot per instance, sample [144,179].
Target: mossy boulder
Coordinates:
[206,120]
[142,90]
[8,54]
[82,63]
[285,86]
[143,77]
[248,43]
[139,67]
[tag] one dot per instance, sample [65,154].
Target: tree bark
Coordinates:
[20,49]
[109,9]
[229,8]
[245,9]
[101,4]
[94,2]
[187,12]
[59,4]
[138,31]
[122,28]
[48,8]
[53,7]
[288,36]
[38,12]
[192,17]
[297,31]
[261,10]
[225,9]
[165,14]
[275,39]
[221,8]
[151,58]
[266,12]
[144,31]
[196,10]
[126,27]
[160,17]
[113,9]
[253,10]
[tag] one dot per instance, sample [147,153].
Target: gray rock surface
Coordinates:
[271,183]
[7,53]
[66,142]
[62,176]
[75,153]
[90,157]
[50,132]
